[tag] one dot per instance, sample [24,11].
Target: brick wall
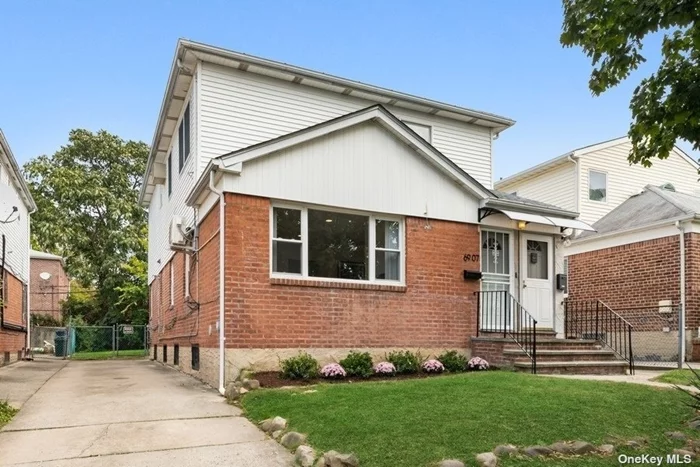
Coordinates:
[47,295]
[635,277]
[12,342]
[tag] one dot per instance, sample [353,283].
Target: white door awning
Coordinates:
[547,220]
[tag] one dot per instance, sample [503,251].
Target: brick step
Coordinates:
[615,367]
[541,333]
[517,355]
[589,346]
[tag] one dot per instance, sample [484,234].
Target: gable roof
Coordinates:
[576,153]
[16,176]
[189,52]
[652,206]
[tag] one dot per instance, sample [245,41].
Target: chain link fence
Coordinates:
[90,342]
[655,337]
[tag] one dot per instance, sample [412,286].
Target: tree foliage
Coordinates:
[88,212]
[665,105]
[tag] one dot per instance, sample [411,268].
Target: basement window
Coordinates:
[176,354]
[155,352]
[195,357]
[165,354]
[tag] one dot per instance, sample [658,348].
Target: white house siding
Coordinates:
[362,167]
[17,232]
[557,186]
[163,207]
[625,180]
[239,109]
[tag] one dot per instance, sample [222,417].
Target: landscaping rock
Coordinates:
[487,459]
[305,456]
[582,447]
[676,435]
[277,434]
[251,384]
[232,393]
[335,459]
[683,453]
[505,450]
[534,451]
[292,440]
[242,391]
[451,463]
[273,424]
[695,424]
[634,444]
[693,445]
[562,447]
[606,449]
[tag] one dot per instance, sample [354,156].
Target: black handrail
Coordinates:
[597,321]
[498,311]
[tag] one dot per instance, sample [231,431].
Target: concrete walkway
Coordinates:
[125,413]
[639,377]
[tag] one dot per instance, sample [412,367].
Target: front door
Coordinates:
[536,266]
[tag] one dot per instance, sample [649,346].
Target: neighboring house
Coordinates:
[633,264]
[16,204]
[294,210]
[595,179]
[49,284]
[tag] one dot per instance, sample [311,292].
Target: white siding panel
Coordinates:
[239,109]
[625,180]
[363,167]
[164,207]
[17,232]
[556,186]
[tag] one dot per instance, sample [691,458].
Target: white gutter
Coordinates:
[661,223]
[222,236]
[681,318]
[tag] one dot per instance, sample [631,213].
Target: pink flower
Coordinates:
[433,366]
[477,363]
[384,368]
[333,370]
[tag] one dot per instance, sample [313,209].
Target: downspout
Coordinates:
[28,349]
[222,236]
[681,317]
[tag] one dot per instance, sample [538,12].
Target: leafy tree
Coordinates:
[88,212]
[665,104]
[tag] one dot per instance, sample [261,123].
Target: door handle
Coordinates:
[524,286]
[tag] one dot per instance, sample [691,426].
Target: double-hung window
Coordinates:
[337,245]
[597,186]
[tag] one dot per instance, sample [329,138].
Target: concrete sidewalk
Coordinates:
[19,381]
[131,412]
[639,377]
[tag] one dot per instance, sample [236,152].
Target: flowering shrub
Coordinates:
[333,371]
[405,362]
[433,366]
[303,366]
[453,361]
[358,364]
[477,363]
[385,368]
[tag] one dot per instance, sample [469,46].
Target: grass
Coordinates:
[108,354]
[420,422]
[6,413]
[683,377]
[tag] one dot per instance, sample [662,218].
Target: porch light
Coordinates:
[522,225]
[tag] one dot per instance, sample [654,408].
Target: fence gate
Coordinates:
[131,340]
[90,342]
[655,338]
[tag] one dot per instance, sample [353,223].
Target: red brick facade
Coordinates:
[436,308]
[638,275]
[12,343]
[47,295]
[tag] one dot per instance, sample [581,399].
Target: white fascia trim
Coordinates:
[17,176]
[534,171]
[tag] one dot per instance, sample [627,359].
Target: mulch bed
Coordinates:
[273,379]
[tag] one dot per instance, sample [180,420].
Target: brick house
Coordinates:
[643,263]
[49,283]
[293,210]
[16,204]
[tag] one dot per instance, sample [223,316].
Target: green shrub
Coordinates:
[303,366]
[358,364]
[453,361]
[45,320]
[405,362]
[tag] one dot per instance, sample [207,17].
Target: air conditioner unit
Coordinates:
[177,238]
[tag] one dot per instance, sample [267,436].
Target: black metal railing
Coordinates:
[595,320]
[499,312]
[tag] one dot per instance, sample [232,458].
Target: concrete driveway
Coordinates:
[126,413]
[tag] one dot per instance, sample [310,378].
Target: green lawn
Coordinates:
[6,413]
[108,354]
[683,377]
[419,422]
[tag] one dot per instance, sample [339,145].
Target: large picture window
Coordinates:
[320,243]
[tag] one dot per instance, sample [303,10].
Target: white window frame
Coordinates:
[601,172]
[372,237]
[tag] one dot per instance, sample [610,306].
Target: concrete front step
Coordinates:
[547,355]
[614,367]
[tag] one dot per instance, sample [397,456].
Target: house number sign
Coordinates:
[471,258]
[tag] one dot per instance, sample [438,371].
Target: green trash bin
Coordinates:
[60,342]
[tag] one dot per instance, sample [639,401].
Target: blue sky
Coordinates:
[71,64]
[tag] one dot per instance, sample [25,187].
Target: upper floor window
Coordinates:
[170,173]
[183,135]
[336,245]
[424,131]
[597,186]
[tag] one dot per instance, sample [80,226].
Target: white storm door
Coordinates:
[536,266]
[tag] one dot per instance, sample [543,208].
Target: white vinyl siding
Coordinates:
[16,232]
[625,180]
[164,205]
[239,109]
[557,186]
